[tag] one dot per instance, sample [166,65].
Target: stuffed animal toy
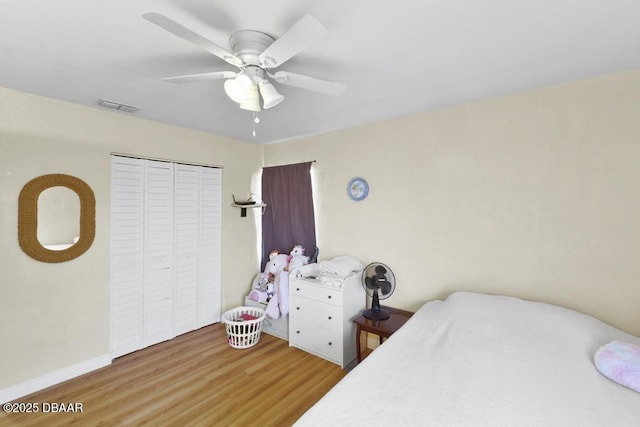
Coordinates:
[297,258]
[264,284]
[276,269]
[277,263]
[262,288]
[273,253]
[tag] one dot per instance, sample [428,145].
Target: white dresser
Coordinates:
[320,317]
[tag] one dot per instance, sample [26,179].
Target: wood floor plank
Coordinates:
[196,379]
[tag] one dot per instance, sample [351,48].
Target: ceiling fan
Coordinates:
[255,54]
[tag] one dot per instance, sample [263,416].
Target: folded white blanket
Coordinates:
[341,265]
[331,279]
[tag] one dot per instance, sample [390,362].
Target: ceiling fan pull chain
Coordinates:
[256,120]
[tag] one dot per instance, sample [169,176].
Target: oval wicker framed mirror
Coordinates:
[28,218]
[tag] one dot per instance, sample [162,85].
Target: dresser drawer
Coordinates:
[318,313]
[315,292]
[315,339]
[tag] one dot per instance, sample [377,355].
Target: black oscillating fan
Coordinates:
[379,282]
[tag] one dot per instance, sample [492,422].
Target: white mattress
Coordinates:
[481,360]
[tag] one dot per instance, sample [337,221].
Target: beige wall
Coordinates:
[53,316]
[534,195]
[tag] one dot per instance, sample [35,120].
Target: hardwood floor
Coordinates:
[195,379]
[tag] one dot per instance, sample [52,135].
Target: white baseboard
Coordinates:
[64,374]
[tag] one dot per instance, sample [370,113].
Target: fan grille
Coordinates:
[378,277]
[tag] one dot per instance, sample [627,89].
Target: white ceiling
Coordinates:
[395,57]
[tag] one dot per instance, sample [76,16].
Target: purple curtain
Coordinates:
[288,218]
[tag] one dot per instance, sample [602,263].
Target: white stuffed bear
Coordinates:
[276,264]
[263,287]
[278,275]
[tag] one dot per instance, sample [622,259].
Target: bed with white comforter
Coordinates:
[482,360]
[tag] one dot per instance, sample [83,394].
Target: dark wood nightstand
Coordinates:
[381,328]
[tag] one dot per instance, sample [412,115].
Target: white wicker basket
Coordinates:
[243,333]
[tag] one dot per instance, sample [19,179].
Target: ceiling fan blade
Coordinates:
[217,75]
[301,35]
[185,33]
[308,83]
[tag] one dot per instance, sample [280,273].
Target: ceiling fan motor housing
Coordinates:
[249,44]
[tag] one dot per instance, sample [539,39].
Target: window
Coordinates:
[288,219]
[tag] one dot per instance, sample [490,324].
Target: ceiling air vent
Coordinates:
[117,106]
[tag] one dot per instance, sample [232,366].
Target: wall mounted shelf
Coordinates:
[243,207]
[251,203]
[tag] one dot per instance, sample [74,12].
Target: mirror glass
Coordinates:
[58,218]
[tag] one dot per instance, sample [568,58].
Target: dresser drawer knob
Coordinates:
[297,308]
[329,297]
[297,289]
[329,317]
[329,343]
[297,332]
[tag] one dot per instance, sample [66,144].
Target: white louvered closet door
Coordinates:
[197,247]
[187,218]
[166,251]
[158,250]
[127,252]
[210,274]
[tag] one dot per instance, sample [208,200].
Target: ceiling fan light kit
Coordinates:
[252,101]
[238,89]
[246,88]
[255,53]
[270,95]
